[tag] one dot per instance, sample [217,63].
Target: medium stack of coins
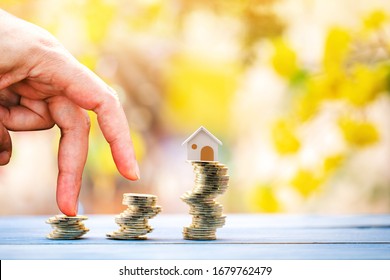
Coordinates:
[133,221]
[66,227]
[211,180]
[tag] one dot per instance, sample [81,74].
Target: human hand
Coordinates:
[42,84]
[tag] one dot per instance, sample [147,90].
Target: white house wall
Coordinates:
[201,139]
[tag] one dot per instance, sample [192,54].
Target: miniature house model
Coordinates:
[202,146]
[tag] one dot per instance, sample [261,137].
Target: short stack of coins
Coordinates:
[67,227]
[211,180]
[133,221]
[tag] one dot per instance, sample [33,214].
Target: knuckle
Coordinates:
[86,121]
[49,124]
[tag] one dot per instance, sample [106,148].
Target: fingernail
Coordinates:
[4,157]
[137,173]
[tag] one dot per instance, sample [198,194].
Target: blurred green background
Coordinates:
[297,91]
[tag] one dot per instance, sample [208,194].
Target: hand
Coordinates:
[42,84]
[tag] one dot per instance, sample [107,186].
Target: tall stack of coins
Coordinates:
[133,221]
[66,227]
[211,180]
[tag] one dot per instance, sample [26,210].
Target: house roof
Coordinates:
[206,131]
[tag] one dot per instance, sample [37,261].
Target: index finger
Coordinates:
[89,92]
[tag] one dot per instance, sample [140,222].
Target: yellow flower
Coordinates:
[337,45]
[98,19]
[306,106]
[284,137]
[375,19]
[284,59]
[365,84]
[306,182]
[264,199]
[333,162]
[358,133]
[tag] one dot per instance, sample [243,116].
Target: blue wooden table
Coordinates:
[243,237]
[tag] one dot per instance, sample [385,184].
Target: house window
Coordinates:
[194,146]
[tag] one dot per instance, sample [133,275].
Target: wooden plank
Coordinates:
[168,230]
[218,251]
[243,237]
